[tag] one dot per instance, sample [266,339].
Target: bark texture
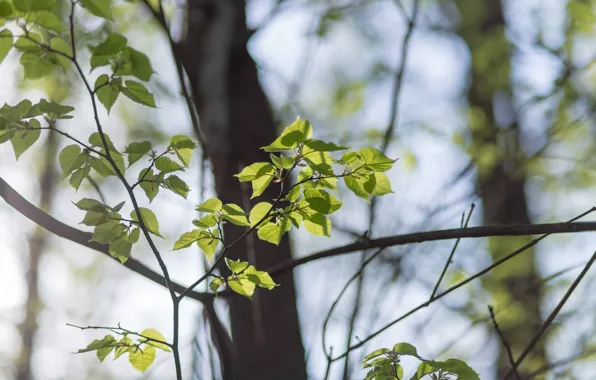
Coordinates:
[236,119]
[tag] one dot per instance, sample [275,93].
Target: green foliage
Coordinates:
[141,353]
[385,364]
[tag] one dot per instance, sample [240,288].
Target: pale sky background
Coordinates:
[82,287]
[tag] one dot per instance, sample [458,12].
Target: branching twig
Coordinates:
[504,341]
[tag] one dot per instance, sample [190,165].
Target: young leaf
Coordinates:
[321,201]
[186,239]
[236,266]
[149,219]
[177,186]
[255,171]
[69,159]
[106,92]
[206,222]
[139,64]
[406,349]
[258,212]
[59,45]
[183,146]
[260,278]
[208,243]
[23,140]
[137,150]
[215,284]
[374,159]
[242,286]
[36,66]
[376,353]
[234,214]
[103,352]
[120,249]
[99,8]
[318,224]
[154,334]
[78,176]
[88,204]
[113,44]
[322,146]
[6,41]
[377,184]
[124,345]
[105,233]
[457,367]
[137,92]
[151,182]
[141,359]
[356,184]
[273,232]
[297,132]
[134,235]
[211,205]
[293,194]
[93,218]
[260,184]
[107,341]
[166,165]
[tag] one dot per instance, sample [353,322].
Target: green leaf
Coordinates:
[321,201]
[206,222]
[187,239]
[96,140]
[99,8]
[177,186]
[142,359]
[281,161]
[210,205]
[322,146]
[260,278]
[318,224]
[258,212]
[273,232]
[93,218]
[457,367]
[154,334]
[356,185]
[23,140]
[166,165]
[107,341]
[255,171]
[51,108]
[6,41]
[151,183]
[208,243]
[138,64]
[242,286]
[293,194]
[236,266]
[88,204]
[234,214]
[149,219]
[36,66]
[183,146]
[215,284]
[106,92]
[374,159]
[297,132]
[259,185]
[78,176]
[137,92]
[134,235]
[69,159]
[124,345]
[6,10]
[406,349]
[320,161]
[376,353]
[120,249]
[31,43]
[48,20]
[113,44]
[61,46]
[377,184]
[423,369]
[105,233]
[137,150]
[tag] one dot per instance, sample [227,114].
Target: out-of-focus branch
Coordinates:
[25,208]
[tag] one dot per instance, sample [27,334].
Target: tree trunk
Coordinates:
[37,244]
[501,178]
[236,120]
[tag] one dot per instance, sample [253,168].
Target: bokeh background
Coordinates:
[495,108]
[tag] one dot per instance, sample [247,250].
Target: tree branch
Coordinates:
[426,236]
[25,208]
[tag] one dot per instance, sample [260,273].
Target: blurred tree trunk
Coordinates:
[501,177]
[37,245]
[236,119]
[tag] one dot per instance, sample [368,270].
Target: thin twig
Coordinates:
[450,259]
[551,317]
[504,341]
